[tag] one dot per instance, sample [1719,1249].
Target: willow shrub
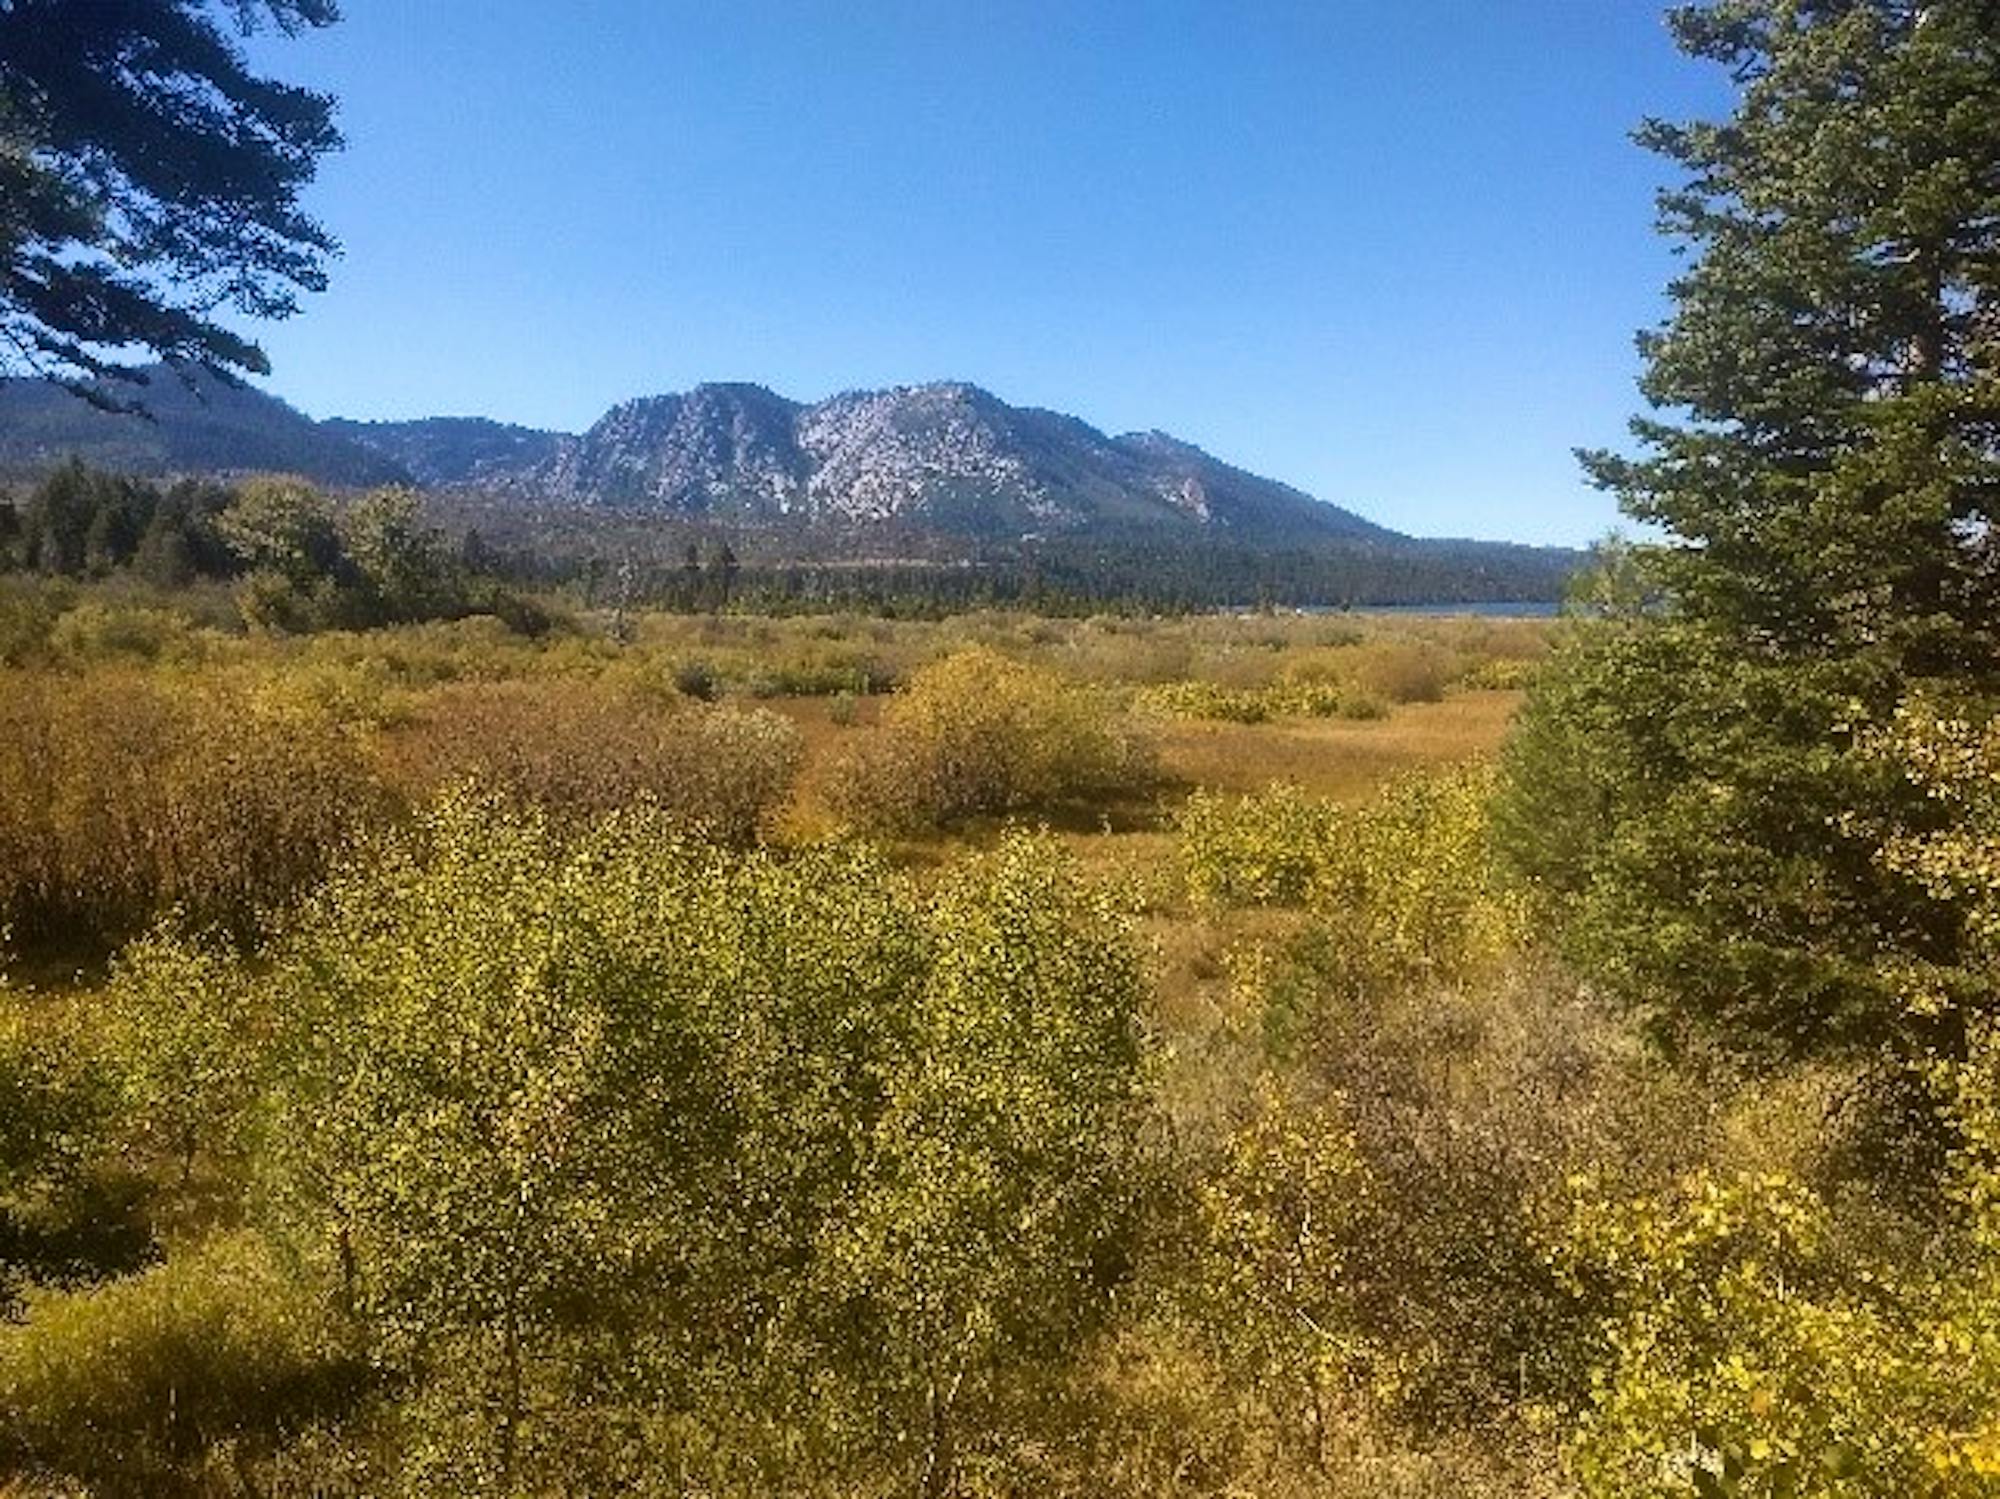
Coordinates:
[181,1034]
[786,1140]
[1277,1220]
[578,748]
[124,794]
[1371,1236]
[979,733]
[1400,888]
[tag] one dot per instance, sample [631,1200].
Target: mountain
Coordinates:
[728,452]
[946,460]
[945,457]
[194,424]
[453,450]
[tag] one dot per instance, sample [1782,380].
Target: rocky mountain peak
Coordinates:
[944,456]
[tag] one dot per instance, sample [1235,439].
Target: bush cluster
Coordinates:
[782,1117]
[978,733]
[124,794]
[579,748]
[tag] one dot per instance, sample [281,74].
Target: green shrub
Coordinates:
[1402,671]
[1408,890]
[1289,699]
[29,611]
[979,733]
[872,1149]
[697,679]
[93,632]
[62,1218]
[1277,1220]
[1205,700]
[180,1028]
[1503,674]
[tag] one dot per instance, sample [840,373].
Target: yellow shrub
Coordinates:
[577,748]
[1399,889]
[1260,850]
[123,794]
[979,733]
[1408,883]
[1745,1353]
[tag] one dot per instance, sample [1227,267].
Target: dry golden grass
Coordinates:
[1336,757]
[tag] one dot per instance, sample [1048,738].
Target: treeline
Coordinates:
[318,565]
[1072,578]
[297,561]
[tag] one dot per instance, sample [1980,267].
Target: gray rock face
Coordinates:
[728,451]
[949,457]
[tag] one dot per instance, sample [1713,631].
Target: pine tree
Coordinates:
[1836,344]
[165,558]
[1690,783]
[148,180]
[724,569]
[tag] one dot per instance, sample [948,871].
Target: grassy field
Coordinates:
[153,767]
[845,1057]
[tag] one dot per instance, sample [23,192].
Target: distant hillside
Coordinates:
[454,450]
[198,425]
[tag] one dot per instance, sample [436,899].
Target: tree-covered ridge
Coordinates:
[90,524]
[295,559]
[192,425]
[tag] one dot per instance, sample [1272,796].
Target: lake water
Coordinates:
[1545,609]
[1531,609]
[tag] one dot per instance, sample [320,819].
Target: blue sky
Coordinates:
[1392,254]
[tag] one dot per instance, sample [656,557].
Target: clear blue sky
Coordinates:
[1391,253]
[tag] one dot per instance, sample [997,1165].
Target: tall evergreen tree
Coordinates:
[1834,482]
[1826,460]
[165,557]
[148,179]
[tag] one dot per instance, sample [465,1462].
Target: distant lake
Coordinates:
[1528,609]
[1519,609]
